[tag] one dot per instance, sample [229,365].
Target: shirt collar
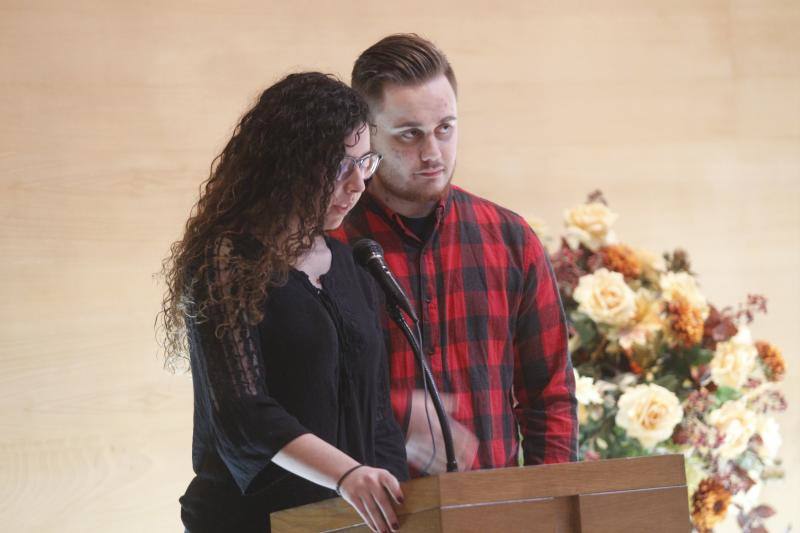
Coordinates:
[374,204]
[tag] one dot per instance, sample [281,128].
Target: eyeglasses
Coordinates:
[368,163]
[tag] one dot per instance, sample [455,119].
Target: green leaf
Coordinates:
[725,394]
[587,330]
[669,382]
[700,356]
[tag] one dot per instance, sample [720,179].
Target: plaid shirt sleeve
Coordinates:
[544,384]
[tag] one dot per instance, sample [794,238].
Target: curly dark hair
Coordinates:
[272,181]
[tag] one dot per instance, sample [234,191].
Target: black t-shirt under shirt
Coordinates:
[420,226]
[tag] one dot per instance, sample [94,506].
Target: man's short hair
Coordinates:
[401,59]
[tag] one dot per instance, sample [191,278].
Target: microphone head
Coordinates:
[365,250]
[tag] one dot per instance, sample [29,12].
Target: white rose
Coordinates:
[649,413]
[589,224]
[737,424]
[734,360]
[748,500]
[585,391]
[683,284]
[770,433]
[605,298]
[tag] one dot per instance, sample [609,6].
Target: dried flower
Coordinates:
[622,259]
[709,504]
[678,261]
[644,325]
[566,266]
[755,303]
[772,360]
[699,401]
[718,327]
[674,284]
[685,322]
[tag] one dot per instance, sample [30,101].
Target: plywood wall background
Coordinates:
[686,113]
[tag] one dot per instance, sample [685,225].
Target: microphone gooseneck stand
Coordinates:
[396,314]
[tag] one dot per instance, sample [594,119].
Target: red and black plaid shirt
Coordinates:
[492,325]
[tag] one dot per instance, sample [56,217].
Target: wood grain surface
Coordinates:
[596,496]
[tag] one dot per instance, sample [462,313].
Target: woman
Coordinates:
[287,355]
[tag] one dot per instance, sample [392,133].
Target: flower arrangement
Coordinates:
[661,370]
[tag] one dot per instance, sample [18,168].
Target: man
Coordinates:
[492,323]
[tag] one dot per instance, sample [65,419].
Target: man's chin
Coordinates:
[430,193]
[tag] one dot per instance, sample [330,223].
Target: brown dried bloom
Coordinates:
[678,261]
[620,258]
[685,322]
[772,359]
[709,504]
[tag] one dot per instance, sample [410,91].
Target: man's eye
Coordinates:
[409,135]
[445,129]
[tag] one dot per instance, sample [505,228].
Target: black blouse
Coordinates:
[315,364]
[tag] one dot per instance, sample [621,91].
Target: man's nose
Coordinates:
[430,149]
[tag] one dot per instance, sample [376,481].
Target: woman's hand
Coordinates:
[369,490]
[373,492]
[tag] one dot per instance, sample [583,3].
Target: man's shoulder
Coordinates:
[488,214]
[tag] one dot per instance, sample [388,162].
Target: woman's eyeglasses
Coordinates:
[368,164]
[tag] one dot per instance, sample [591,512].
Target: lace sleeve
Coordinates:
[248,426]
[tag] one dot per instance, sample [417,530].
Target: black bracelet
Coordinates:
[341,479]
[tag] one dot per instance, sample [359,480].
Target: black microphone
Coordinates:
[369,255]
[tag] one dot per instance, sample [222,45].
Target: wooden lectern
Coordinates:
[646,494]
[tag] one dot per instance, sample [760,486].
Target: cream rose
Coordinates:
[737,424]
[734,360]
[770,433]
[749,499]
[650,261]
[585,391]
[605,298]
[683,284]
[645,322]
[649,413]
[590,225]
